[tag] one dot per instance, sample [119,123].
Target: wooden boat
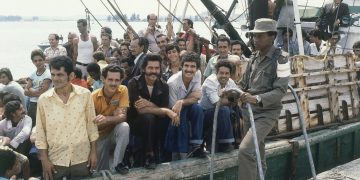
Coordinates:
[329,94]
[328,91]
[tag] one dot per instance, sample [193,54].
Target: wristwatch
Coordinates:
[258,99]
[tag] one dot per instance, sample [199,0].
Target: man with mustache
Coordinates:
[184,140]
[111,103]
[149,100]
[15,128]
[212,91]
[264,84]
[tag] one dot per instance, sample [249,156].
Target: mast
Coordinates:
[223,21]
[298,28]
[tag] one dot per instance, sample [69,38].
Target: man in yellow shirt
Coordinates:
[65,133]
[111,103]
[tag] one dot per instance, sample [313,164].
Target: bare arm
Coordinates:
[75,49]
[43,88]
[118,117]
[47,166]
[92,156]
[27,87]
[95,42]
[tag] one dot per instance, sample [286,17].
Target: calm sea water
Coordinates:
[20,38]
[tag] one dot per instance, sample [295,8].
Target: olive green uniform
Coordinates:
[268,78]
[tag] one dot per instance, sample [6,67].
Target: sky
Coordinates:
[64,8]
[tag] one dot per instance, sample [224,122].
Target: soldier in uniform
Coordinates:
[264,84]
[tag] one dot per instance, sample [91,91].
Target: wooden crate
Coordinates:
[328,92]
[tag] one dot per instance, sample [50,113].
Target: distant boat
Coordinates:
[45,43]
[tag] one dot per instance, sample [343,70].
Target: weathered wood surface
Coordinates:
[194,167]
[348,171]
[327,88]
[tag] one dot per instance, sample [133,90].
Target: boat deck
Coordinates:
[345,172]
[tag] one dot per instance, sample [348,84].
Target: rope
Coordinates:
[118,8]
[183,15]
[201,19]
[305,8]
[245,11]
[88,11]
[112,15]
[158,15]
[169,11]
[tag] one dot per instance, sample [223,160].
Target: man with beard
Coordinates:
[185,140]
[149,96]
[111,103]
[264,84]
[151,32]
[223,47]
[212,91]
[65,133]
[15,128]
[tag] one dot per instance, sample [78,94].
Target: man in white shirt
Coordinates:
[15,128]
[184,93]
[316,43]
[212,93]
[54,50]
[332,48]
[151,32]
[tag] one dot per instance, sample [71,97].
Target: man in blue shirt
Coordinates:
[184,93]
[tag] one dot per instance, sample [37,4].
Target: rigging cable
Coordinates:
[183,15]
[245,11]
[118,8]
[305,8]
[158,13]
[169,11]
[87,10]
[116,19]
[212,32]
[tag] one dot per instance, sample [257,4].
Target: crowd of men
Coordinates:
[93,106]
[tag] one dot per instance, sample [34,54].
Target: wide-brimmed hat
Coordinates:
[264,25]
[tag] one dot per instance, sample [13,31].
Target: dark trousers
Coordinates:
[148,133]
[72,172]
[224,133]
[32,112]
[190,130]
